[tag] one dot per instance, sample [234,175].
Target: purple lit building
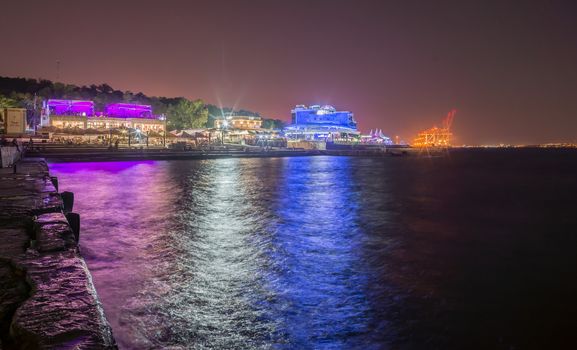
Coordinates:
[70,107]
[64,114]
[128,110]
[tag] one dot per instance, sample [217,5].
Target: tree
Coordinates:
[128,96]
[32,104]
[186,114]
[272,124]
[105,88]
[6,102]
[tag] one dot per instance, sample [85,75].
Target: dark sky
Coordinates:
[509,68]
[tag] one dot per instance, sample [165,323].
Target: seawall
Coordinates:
[47,298]
[98,154]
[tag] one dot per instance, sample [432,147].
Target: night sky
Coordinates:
[509,68]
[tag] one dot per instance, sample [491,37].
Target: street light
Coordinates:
[224,127]
[163,118]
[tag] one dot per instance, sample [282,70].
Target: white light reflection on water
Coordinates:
[232,253]
[220,262]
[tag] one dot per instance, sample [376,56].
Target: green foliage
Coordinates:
[6,102]
[272,124]
[187,114]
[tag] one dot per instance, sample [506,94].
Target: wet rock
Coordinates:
[13,291]
[47,299]
[14,241]
[51,218]
[53,233]
[32,167]
[63,308]
[54,237]
[25,195]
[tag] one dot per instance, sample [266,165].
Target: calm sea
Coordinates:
[475,249]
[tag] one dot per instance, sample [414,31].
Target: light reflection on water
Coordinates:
[224,253]
[318,241]
[471,251]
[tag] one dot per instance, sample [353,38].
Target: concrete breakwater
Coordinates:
[93,154]
[47,298]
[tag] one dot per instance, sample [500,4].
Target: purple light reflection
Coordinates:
[124,208]
[91,168]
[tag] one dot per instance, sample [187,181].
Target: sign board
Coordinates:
[14,120]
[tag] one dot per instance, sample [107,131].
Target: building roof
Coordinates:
[70,107]
[129,110]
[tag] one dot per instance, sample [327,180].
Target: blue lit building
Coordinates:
[321,123]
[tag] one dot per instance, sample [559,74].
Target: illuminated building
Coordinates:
[239,122]
[436,137]
[71,107]
[321,123]
[65,114]
[12,120]
[376,138]
[240,129]
[129,116]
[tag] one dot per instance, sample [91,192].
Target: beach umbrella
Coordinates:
[115,131]
[48,129]
[91,131]
[73,131]
[185,135]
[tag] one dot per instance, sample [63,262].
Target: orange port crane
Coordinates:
[436,137]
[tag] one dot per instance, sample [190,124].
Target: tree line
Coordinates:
[181,113]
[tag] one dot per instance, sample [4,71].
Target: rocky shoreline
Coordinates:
[47,298]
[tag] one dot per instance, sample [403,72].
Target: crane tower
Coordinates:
[436,137]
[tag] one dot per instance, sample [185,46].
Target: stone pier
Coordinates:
[47,298]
